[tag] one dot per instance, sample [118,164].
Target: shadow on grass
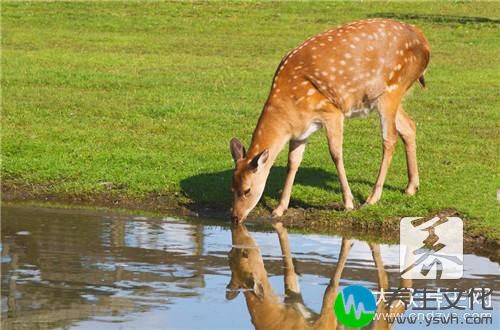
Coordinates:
[213,190]
[436,18]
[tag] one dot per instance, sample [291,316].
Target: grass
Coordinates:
[143,97]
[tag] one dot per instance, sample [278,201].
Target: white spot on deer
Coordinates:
[342,62]
[356,39]
[299,100]
[304,83]
[398,67]
[370,48]
[352,46]
[322,44]
[391,75]
[324,73]
[333,69]
[311,91]
[347,55]
[391,88]
[322,103]
[341,72]
[294,88]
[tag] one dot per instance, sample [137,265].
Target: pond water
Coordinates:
[75,269]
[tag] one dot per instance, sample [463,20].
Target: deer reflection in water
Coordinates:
[267,311]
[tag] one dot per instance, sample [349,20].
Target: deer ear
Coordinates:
[259,160]
[258,290]
[237,149]
[232,290]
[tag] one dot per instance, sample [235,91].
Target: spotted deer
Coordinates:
[347,71]
[268,311]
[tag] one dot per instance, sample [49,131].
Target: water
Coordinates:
[73,269]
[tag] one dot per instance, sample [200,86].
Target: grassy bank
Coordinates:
[140,99]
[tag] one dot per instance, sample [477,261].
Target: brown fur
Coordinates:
[267,311]
[346,71]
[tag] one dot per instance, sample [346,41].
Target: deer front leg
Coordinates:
[387,111]
[408,131]
[295,155]
[334,125]
[292,288]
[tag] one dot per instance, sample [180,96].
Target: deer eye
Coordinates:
[246,192]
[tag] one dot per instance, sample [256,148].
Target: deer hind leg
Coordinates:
[295,155]
[334,125]
[407,130]
[387,108]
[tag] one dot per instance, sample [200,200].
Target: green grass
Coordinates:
[148,95]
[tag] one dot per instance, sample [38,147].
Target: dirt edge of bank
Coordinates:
[296,219]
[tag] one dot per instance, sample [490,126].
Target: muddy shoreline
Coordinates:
[296,219]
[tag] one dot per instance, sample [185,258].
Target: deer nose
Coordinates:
[235,219]
[238,217]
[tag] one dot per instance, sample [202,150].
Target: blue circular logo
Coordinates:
[355,306]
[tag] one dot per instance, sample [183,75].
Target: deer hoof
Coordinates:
[411,189]
[349,206]
[278,212]
[371,200]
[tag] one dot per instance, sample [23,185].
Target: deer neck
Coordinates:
[270,133]
[268,313]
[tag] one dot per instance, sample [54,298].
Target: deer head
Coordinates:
[249,179]
[247,267]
